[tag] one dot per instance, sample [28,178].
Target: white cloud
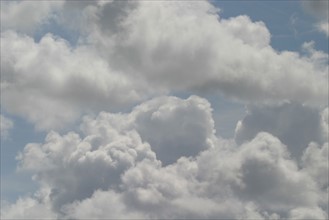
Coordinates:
[241,27]
[111,167]
[260,171]
[141,53]
[315,162]
[196,50]
[49,83]
[323,27]
[17,14]
[163,159]
[6,126]
[65,161]
[35,207]
[103,204]
[308,213]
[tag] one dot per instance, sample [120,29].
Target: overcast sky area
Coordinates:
[164,109]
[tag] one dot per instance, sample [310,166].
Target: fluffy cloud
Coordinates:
[175,128]
[28,208]
[114,169]
[294,124]
[196,50]
[111,146]
[129,51]
[163,159]
[49,82]
[6,126]
[255,34]
[17,14]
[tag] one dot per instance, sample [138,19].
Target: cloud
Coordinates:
[175,127]
[308,213]
[17,14]
[100,205]
[197,50]
[251,33]
[114,165]
[260,170]
[34,207]
[319,9]
[6,126]
[140,153]
[129,51]
[323,27]
[294,124]
[49,82]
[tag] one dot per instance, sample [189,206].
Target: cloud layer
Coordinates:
[142,153]
[115,163]
[129,51]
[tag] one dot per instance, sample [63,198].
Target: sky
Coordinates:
[164,109]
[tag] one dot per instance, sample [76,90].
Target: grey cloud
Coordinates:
[98,160]
[49,83]
[320,10]
[17,15]
[126,57]
[163,159]
[175,128]
[315,163]
[173,54]
[110,171]
[308,213]
[294,124]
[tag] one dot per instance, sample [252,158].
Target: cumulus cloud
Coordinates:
[142,154]
[294,124]
[197,50]
[49,82]
[175,128]
[113,169]
[130,51]
[255,34]
[35,207]
[6,126]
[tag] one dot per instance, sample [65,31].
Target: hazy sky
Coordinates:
[164,109]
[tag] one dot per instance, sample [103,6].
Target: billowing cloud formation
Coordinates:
[195,49]
[49,82]
[142,154]
[6,126]
[130,51]
[175,128]
[294,124]
[114,169]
